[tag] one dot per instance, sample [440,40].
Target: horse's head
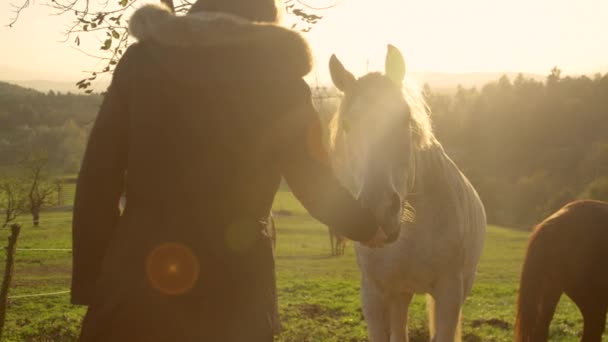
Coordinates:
[372,128]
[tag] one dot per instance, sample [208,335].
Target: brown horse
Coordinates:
[567,253]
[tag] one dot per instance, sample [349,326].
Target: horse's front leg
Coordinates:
[399,304]
[445,315]
[375,311]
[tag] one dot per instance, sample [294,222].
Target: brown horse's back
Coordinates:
[567,252]
[576,238]
[586,245]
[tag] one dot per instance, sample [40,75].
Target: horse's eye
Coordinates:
[345,126]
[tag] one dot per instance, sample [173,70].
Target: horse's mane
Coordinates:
[420,122]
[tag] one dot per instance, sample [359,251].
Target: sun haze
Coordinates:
[439,36]
[467,35]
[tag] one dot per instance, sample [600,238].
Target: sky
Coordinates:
[451,36]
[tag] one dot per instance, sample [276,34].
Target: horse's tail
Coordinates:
[537,295]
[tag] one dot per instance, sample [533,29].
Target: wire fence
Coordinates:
[27,220]
[43,294]
[45,249]
[47,294]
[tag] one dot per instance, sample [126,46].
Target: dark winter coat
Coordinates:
[204,115]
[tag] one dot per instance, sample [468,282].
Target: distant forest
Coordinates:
[527,146]
[58,124]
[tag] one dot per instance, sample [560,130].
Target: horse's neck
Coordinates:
[435,177]
[427,167]
[440,185]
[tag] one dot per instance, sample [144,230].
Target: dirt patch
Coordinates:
[493,322]
[316,310]
[471,338]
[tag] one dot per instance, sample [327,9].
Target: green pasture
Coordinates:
[318,294]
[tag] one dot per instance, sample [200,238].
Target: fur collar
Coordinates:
[208,29]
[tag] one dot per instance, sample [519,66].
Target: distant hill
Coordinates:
[45,80]
[57,86]
[54,122]
[45,86]
[437,80]
[22,106]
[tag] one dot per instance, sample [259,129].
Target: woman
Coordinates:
[206,112]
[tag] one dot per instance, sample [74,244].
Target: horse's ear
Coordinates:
[394,66]
[342,78]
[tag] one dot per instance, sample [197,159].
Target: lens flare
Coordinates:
[172,268]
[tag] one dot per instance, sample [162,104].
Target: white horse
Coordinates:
[386,152]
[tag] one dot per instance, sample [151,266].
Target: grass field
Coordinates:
[318,294]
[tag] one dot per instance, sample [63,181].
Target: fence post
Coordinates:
[8,272]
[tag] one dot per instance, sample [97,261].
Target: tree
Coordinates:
[13,198]
[40,188]
[106,22]
[554,76]
[58,183]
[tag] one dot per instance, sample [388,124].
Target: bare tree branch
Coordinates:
[41,188]
[17,9]
[315,8]
[91,55]
[12,198]
[105,21]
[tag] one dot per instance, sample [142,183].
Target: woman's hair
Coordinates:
[253,10]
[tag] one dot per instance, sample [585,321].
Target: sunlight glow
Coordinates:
[467,36]
[434,35]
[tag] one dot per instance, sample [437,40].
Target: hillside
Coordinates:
[55,122]
[58,86]
[26,106]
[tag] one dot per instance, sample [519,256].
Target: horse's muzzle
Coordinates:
[392,236]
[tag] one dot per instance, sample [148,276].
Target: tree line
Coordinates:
[32,120]
[528,146]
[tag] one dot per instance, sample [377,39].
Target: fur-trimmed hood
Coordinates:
[208,29]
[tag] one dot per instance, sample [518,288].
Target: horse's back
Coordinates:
[581,223]
[467,212]
[474,234]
